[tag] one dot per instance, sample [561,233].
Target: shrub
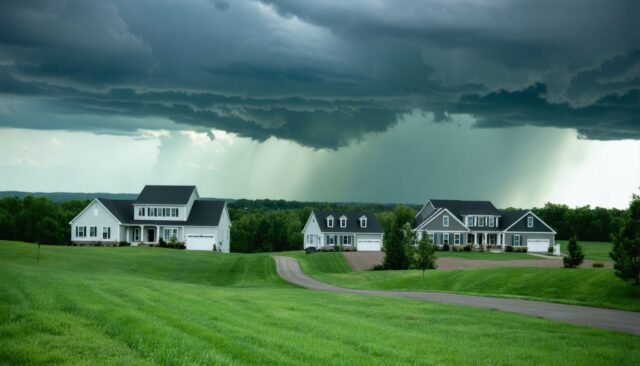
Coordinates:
[575,257]
[550,250]
[445,248]
[458,248]
[97,244]
[598,265]
[508,248]
[162,243]
[124,244]
[377,267]
[467,248]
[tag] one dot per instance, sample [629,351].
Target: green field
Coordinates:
[84,305]
[595,250]
[501,256]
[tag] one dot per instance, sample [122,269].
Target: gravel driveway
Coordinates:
[363,261]
[617,320]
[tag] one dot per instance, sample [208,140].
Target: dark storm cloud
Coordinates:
[324,74]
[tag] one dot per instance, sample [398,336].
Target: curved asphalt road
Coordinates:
[618,320]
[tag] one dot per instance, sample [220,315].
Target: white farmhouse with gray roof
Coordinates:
[353,230]
[165,212]
[479,223]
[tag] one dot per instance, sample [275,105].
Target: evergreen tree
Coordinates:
[395,254]
[575,257]
[626,245]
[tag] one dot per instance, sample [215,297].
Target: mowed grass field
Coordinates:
[595,250]
[588,286]
[117,306]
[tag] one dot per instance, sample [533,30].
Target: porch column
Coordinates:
[141,233]
[157,234]
[485,240]
[475,239]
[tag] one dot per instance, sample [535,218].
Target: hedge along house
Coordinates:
[351,230]
[481,224]
[159,212]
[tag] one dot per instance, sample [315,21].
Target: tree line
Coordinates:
[276,225]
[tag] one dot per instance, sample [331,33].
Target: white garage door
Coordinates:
[537,245]
[369,245]
[199,242]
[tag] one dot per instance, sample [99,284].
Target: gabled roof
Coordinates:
[203,213]
[165,195]
[460,208]
[353,222]
[510,217]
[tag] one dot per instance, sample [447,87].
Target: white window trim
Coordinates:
[330,221]
[343,221]
[431,237]
[530,221]
[445,220]
[517,236]
[456,238]
[106,230]
[492,221]
[363,222]
[481,223]
[469,220]
[445,235]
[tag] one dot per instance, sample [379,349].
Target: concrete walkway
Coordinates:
[617,320]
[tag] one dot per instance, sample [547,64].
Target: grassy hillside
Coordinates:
[159,306]
[321,262]
[589,286]
[595,250]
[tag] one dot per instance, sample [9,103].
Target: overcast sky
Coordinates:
[518,102]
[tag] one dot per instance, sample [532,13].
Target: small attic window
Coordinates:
[95,210]
[343,221]
[530,221]
[330,221]
[363,222]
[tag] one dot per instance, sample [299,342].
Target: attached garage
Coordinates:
[537,245]
[369,245]
[200,242]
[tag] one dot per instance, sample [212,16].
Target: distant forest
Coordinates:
[264,225]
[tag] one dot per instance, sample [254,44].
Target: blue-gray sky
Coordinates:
[519,102]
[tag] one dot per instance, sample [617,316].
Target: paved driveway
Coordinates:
[364,261]
[617,320]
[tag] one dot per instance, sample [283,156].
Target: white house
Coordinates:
[353,230]
[165,212]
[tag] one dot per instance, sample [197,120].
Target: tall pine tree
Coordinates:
[626,245]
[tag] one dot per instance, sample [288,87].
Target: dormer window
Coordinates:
[330,221]
[363,221]
[469,220]
[445,220]
[530,221]
[481,221]
[343,221]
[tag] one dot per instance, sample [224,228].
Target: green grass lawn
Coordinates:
[594,250]
[161,306]
[502,256]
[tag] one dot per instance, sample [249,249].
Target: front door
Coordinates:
[151,235]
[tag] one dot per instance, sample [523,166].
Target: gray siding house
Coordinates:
[353,230]
[480,223]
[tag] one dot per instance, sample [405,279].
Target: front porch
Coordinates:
[151,234]
[486,239]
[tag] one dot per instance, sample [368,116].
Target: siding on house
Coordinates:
[95,215]
[436,224]
[524,236]
[521,225]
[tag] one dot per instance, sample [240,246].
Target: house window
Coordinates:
[93,231]
[174,212]
[431,238]
[331,239]
[530,221]
[456,238]
[469,220]
[148,211]
[106,232]
[481,221]
[347,240]
[343,221]
[169,234]
[445,238]
[492,221]
[330,221]
[445,220]
[516,240]
[141,211]
[81,231]
[363,222]
[95,211]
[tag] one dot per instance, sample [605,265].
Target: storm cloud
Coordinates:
[322,74]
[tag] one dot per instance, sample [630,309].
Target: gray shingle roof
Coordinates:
[165,195]
[203,213]
[460,208]
[353,223]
